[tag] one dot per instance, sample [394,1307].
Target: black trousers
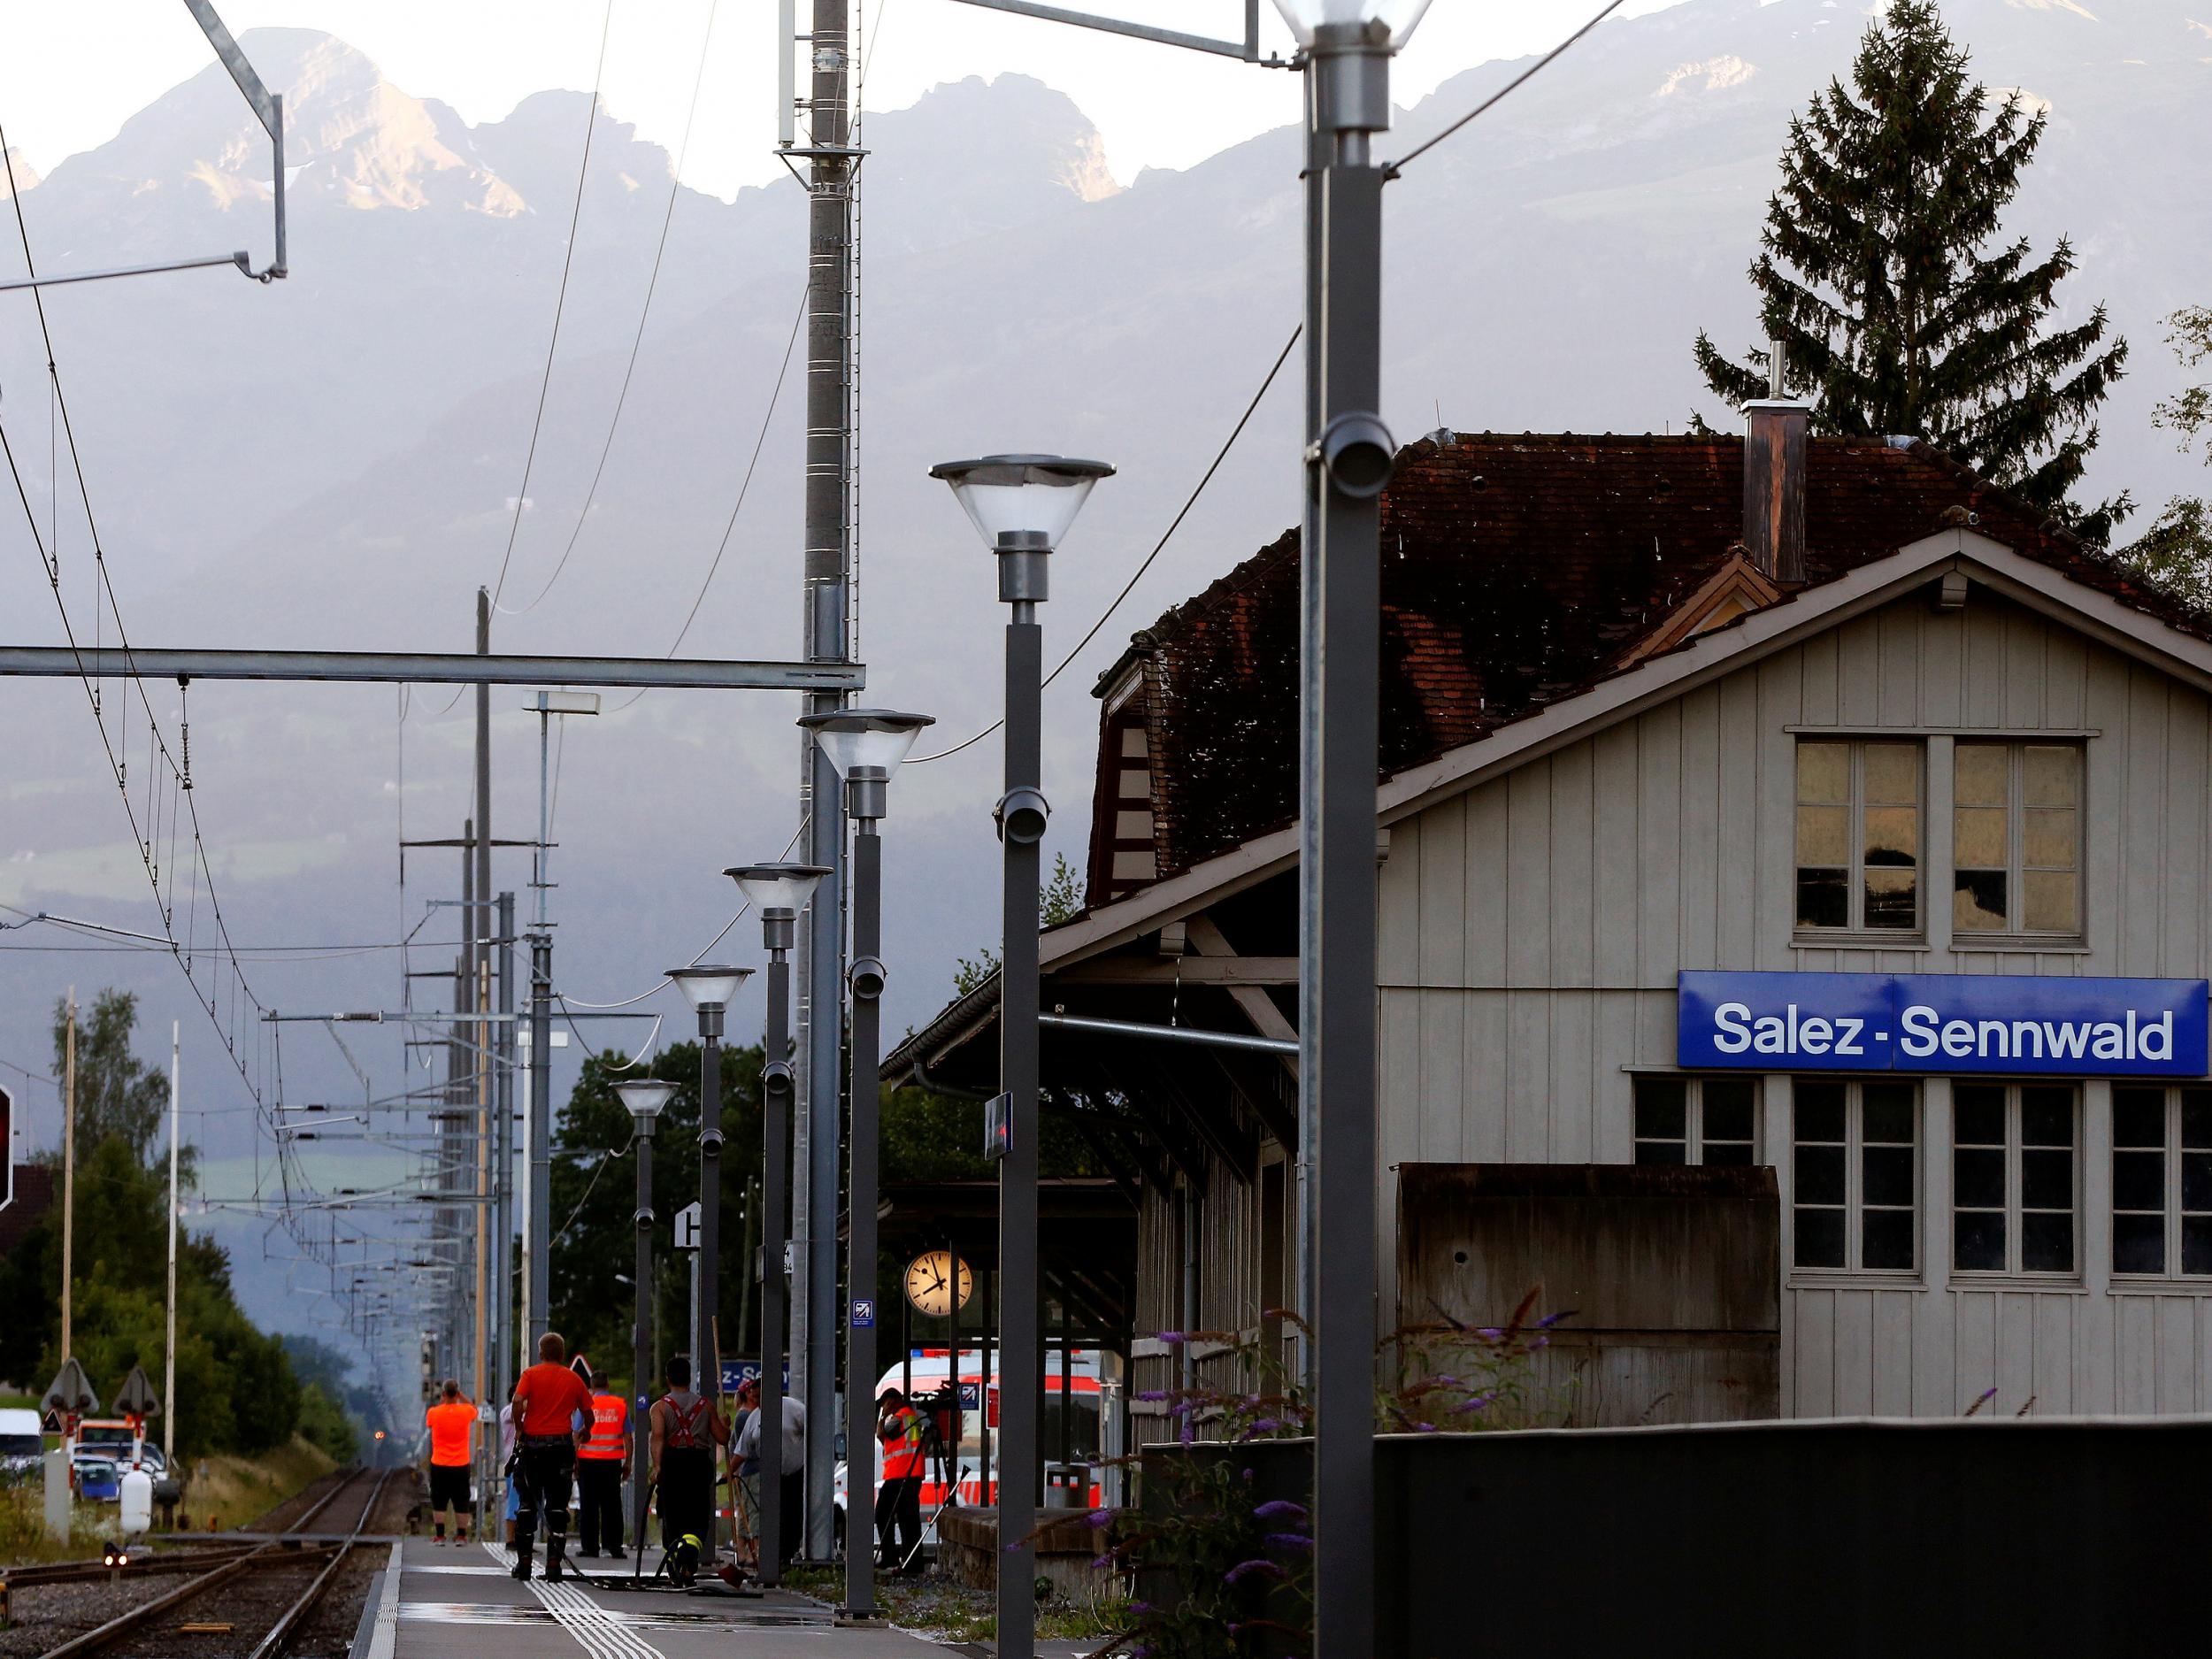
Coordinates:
[544,1466]
[791,1516]
[450,1484]
[898,1505]
[599,1480]
[686,1496]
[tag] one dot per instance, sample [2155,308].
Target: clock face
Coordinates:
[937,1282]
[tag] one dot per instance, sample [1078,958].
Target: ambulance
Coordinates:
[963,1439]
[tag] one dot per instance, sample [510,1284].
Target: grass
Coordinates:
[937,1606]
[224,1491]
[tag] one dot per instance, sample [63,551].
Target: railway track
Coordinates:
[271,1591]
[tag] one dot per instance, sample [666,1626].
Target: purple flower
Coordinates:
[1281,1509]
[1288,1541]
[1476,1404]
[1425,1428]
[1098,1518]
[1245,1569]
[1153,1394]
[1490,1333]
[1551,1319]
[1247,1474]
[1171,1338]
[1101,1563]
[1140,1606]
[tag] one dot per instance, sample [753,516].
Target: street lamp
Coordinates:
[866,746]
[708,987]
[1022,505]
[645,1097]
[779,892]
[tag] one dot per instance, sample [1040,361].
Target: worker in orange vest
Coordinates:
[902,1430]
[452,1426]
[602,1463]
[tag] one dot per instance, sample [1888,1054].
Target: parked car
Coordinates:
[97,1477]
[21,1445]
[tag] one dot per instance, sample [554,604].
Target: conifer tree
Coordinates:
[1898,306]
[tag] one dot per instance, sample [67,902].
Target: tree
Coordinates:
[1880,274]
[118,1093]
[594,1202]
[2177,550]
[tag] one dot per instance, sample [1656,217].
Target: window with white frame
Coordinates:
[2015,839]
[2015,1178]
[1858,835]
[1855,1175]
[1695,1119]
[2162,1180]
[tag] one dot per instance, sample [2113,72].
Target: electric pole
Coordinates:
[828,569]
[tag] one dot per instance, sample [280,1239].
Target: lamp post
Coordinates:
[866,746]
[709,989]
[779,892]
[1346,49]
[645,1097]
[1023,505]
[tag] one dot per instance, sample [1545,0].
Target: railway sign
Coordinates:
[688,1226]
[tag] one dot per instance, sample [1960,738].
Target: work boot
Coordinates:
[524,1553]
[556,1569]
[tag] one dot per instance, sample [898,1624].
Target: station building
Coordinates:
[1789,802]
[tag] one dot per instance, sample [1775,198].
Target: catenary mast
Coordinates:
[832,164]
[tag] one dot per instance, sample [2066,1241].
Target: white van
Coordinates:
[21,1444]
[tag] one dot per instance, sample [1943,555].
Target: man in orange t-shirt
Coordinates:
[452,1425]
[547,1396]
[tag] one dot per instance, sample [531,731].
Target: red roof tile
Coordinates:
[1516,572]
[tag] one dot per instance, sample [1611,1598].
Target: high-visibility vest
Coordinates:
[901,1437]
[608,1414]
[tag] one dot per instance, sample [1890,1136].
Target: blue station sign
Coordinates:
[1942,1022]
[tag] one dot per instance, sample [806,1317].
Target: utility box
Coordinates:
[1671,1278]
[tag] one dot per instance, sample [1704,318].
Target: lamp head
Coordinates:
[1021,496]
[645,1097]
[705,985]
[858,739]
[784,888]
[1307,17]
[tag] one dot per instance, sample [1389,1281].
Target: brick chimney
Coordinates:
[1775,428]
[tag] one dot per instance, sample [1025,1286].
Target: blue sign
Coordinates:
[1942,1022]
[864,1313]
[737,1373]
[971,1396]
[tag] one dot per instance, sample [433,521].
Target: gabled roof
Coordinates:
[1518,571]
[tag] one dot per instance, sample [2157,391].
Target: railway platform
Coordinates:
[436,1602]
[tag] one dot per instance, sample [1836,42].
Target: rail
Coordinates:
[275,1552]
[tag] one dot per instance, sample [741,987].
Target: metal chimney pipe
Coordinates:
[1776,431]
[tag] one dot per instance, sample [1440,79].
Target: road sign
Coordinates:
[688,1226]
[864,1313]
[737,1373]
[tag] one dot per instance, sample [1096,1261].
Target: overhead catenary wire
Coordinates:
[645,312]
[560,305]
[157,745]
[1182,513]
[1392,169]
[744,487]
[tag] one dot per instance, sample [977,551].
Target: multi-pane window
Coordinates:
[2014,1177]
[1858,835]
[2162,1180]
[2015,838]
[1853,1174]
[1694,1119]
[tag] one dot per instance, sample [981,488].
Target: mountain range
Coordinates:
[335,460]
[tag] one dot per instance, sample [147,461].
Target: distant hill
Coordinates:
[331,460]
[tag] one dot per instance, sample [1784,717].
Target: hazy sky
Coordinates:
[72,73]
